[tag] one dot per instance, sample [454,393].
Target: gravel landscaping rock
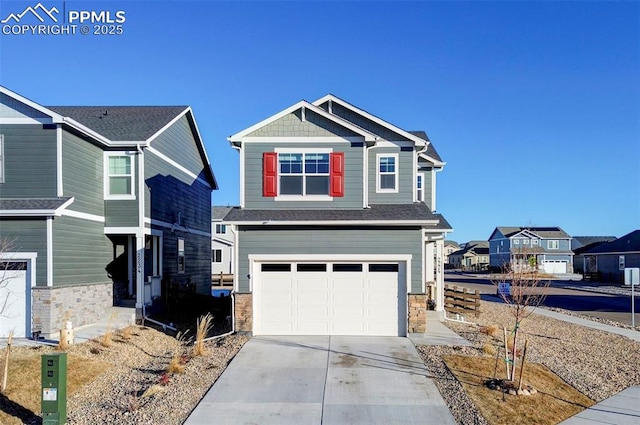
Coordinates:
[596,363]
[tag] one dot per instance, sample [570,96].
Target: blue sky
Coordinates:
[535,106]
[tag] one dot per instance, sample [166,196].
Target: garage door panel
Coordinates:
[13,296]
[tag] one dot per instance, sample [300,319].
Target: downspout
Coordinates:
[140,310]
[365,175]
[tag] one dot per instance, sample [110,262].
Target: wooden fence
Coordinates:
[221,281]
[461,301]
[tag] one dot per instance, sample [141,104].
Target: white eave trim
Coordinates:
[238,137]
[373,118]
[434,161]
[336,223]
[56,118]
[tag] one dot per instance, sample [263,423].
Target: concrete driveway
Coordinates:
[324,380]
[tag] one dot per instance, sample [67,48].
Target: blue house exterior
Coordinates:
[336,231]
[99,205]
[545,249]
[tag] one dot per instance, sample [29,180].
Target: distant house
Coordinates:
[100,203]
[474,255]
[547,249]
[609,259]
[449,247]
[581,244]
[222,241]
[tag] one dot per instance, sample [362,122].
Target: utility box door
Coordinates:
[54,388]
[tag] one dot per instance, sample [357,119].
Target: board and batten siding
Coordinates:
[330,241]
[170,191]
[83,174]
[30,161]
[253,176]
[81,251]
[30,235]
[406,183]
[313,125]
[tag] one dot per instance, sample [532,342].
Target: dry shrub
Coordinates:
[489,349]
[107,339]
[152,390]
[203,327]
[125,333]
[176,365]
[63,345]
[492,330]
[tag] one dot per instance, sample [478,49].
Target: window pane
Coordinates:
[291,185]
[387,164]
[119,185]
[275,267]
[317,185]
[312,267]
[316,163]
[347,267]
[383,267]
[290,163]
[388,181]
[119,165]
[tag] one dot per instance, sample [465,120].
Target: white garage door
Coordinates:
[329,299]
[13,299]
[555,266]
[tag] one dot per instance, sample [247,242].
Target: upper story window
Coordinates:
[181,256]
[534,242]
[303,174]
[221,229]
[119,172]
[516,241]
[1,158]
[420,187]
[525,241]
[553,244]
[387,175]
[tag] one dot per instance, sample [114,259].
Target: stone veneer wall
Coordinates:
[417,313]
[243,312]
[81,304]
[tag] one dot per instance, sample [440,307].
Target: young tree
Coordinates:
[528,290]
[6,272]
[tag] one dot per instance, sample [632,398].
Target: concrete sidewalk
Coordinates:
[629,333]
[437,333]
[621,409]
[325,380]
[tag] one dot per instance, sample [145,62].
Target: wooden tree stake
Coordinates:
[6,362]
[524,355]
[506,353]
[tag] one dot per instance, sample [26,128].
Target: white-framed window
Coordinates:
[303,173]
[181,256]
[1,158]
[525,241]
[621,262]
[119,170]
[534,242]
[221,229]
[387,173]
[216,255]
[553,244]
[420,187]
[516,241]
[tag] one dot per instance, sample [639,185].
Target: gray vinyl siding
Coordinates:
[81,251]
[292,125]
[121,213]
[169,192]
[12,108]
[330,241]
[177,142]
[82,174]
[253,177]
[197,260]
[29,236]
[406,183]
[365,123]
[30,161]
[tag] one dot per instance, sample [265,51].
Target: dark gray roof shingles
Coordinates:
[47,204]
[377,213]
[627,243]
[122,123]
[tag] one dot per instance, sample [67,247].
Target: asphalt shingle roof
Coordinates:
[543,232]
[218,212]
[15,204]
[389,212]
[122,123]
[627,243]
[431,150]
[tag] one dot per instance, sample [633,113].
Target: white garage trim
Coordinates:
[30,259]
[393,322]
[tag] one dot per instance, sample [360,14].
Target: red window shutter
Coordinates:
[336,175]
[269,174]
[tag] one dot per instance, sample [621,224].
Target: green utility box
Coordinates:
[54,389]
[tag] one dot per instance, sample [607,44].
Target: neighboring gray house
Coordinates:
[336,229]
[581,244]
[222,242]
[474,256]
[449,248]
[101,203]
[608,260]
[547,249]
